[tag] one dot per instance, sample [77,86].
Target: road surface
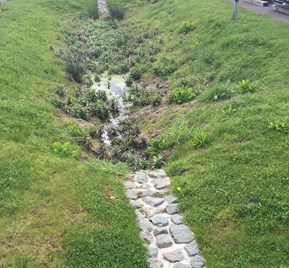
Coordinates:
[265,11]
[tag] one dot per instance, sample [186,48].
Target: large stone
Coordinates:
[158,231]
[136,204]
[164,241]
[129,185]
[132,194]
[145,224]
[197,262]
[174,256]
[181,234]
[177,219]
[156,263]
[153,201]
[145,192]
[172,209]
[160,220]
[161,183]
[181,265]
[192,248]
[158,174]
[147,236]
[141,177]
[153,252]
[170,199]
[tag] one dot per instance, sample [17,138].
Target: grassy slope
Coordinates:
[54,211]
[235,190]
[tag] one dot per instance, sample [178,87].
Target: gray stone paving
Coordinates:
[171,244]
[102,7]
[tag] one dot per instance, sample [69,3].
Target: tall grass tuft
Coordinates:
[92,10]
[116,11]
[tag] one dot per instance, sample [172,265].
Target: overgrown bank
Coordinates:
[228,150]
[59,206]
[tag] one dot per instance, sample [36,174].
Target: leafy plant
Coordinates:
[60,91]
[75,130]
[156,146]
[280,126]
[187,27]
[200,139]
[158,161]
[181,95]
[246,86]
[65,149]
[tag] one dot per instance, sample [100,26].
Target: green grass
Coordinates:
[235,185]
[52,206]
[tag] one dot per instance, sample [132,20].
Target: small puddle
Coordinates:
[115,87]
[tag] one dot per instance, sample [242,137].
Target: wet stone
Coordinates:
[192,248]
[141,177]
[181,265]
[153,201]
[158,174]
[136,204]
[177,219]
[170,199]
[174,256]
[181,234]
[197,261]
[147,236]
[153,252]
[172,209]
[158,231]
[160,220]
[164,241]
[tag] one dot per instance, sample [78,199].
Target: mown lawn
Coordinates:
[55,211]
[230,149]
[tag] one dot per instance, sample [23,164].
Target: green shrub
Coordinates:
[92,10]
[78,111]
[75,130]
[200,139]
[246,86]
[279,126]
[65,149]
[181,95]
[135,74]
[60,91]
[158,161]
[74,67]
[156,146]
[187,27]
[164,66]
[116,12]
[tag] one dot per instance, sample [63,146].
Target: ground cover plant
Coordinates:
[232,177]
[56,210]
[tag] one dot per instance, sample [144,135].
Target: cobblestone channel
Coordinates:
[171,244]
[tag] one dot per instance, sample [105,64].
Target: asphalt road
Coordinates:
[268,11]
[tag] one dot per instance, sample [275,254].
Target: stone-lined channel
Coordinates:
[171,244]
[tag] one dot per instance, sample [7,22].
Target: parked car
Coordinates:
[284,3]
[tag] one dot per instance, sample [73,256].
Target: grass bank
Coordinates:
[58,208]
[229,148]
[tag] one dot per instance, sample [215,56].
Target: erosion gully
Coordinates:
[171,244]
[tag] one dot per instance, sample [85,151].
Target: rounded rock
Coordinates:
[160,220]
